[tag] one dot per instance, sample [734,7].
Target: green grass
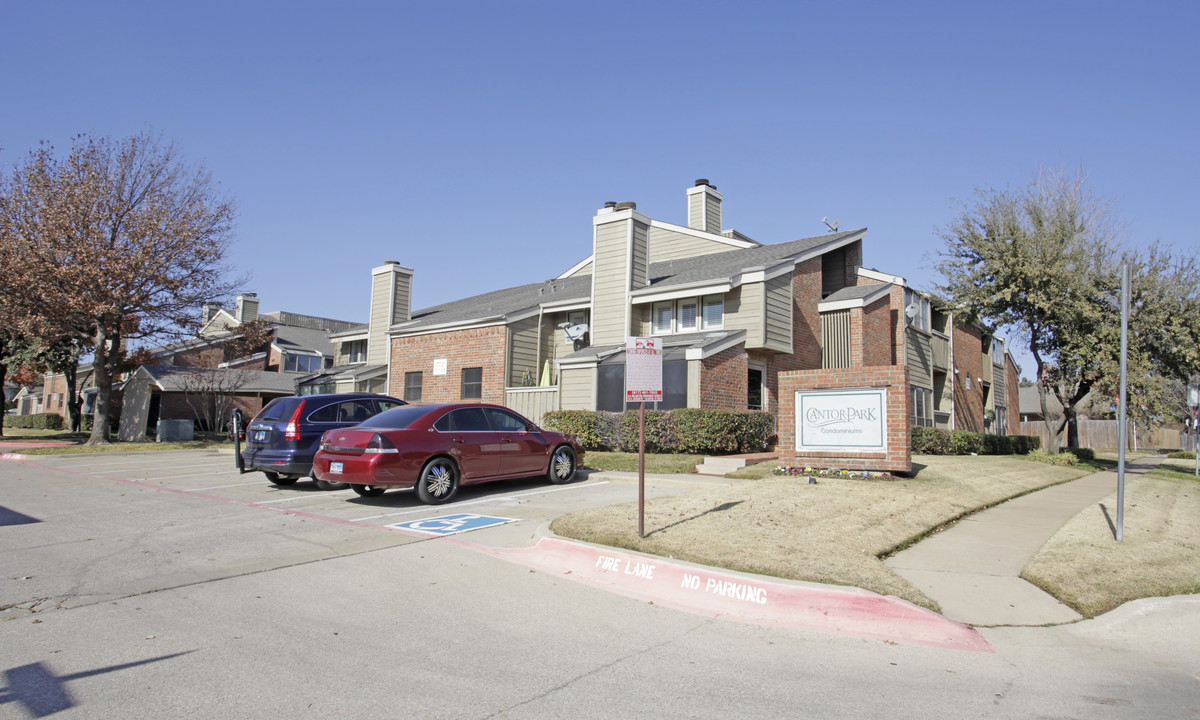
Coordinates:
[658,464]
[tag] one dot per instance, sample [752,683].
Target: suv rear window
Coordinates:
[279,409]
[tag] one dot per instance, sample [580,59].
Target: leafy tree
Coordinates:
[1044,260]
[121,239]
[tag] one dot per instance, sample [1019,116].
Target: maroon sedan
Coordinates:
[434,448]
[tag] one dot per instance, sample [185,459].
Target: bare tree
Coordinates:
[121,240]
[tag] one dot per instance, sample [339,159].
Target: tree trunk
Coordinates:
[3,374]
[74,403]
[103,362]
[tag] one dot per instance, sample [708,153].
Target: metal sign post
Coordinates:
[1125,282]
[643,383]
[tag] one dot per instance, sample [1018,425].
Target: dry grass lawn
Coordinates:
[1084,567]
[833,532]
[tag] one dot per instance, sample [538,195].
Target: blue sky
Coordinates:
[474,141]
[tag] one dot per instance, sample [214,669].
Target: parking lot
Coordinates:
[526,506]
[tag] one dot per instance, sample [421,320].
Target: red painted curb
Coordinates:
[12,456]
[839,611]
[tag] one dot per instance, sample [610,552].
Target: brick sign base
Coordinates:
[897,457]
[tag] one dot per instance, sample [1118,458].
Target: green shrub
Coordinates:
[687,430]
[1182,455]
[40,421]
[963,442]
[930,441]
[583,424]
[1084,454]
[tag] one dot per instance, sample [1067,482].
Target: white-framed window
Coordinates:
[302,363]
[575,317]
[689,316]
[356,351]
[922,411]
[661,318]
[997,351]
[713,315]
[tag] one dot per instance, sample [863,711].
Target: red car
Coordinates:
[435,448]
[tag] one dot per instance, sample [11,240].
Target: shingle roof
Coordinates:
[173,378]
[289,337]
[857,292]
[715,267]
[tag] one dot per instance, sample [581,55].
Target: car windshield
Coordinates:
[279,409]
[397,418]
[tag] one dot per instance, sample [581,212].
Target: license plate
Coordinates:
[259,436]
[335,468]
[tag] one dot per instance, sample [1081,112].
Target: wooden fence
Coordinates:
[1102,435]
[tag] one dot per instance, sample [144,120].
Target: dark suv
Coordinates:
[282,439]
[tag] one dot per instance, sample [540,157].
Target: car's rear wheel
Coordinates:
[438,482]
[369,490]
[563,465]
[276,479]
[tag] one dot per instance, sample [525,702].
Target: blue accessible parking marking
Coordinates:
[452,524]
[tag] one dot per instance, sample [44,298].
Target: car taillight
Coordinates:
[380,444]
[291,432]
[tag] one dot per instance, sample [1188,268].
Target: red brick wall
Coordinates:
[723,380]
[898,457]
[968,362]
[806,319]
[877,341]
[478,347]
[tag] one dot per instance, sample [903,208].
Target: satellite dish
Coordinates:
[832,226]
[911,311]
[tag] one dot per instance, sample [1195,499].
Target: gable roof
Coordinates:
[173,378]
[505,305]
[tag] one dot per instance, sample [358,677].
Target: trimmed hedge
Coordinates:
[40,421]
[935,441]
[687,430]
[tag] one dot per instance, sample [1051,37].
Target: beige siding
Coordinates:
[713,216]
[381,298]
[919,351]
[744,311]
[610,284]
[696,211]
[835,329]
[522,351]
[779,314]
[667,244]
[640,276]
[999,396]
[578,389]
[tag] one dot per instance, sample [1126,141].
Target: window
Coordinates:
[356,351]
[997,351]
[302,363]
[464,420]
[661,318]
[472,383]
[504,421]
[922,412]
[921,319]
[714,312]
[412,386]
[754,389]
[575,317]
[688,315]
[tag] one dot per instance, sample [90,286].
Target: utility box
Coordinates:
[176,430]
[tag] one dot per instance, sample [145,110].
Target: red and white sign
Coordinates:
[643,369]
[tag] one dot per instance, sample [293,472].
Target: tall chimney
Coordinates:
[391,303]
[704,207]
[247,307]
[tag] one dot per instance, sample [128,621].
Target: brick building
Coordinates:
[744,325]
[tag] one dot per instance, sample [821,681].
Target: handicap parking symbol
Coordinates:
[452,524]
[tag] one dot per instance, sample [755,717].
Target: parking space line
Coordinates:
[203,474]
[301,497]
[222,487]
[479,502]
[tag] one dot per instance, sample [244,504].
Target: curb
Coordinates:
[16,457]
[851,612]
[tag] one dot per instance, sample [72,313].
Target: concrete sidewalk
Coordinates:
[972,569]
